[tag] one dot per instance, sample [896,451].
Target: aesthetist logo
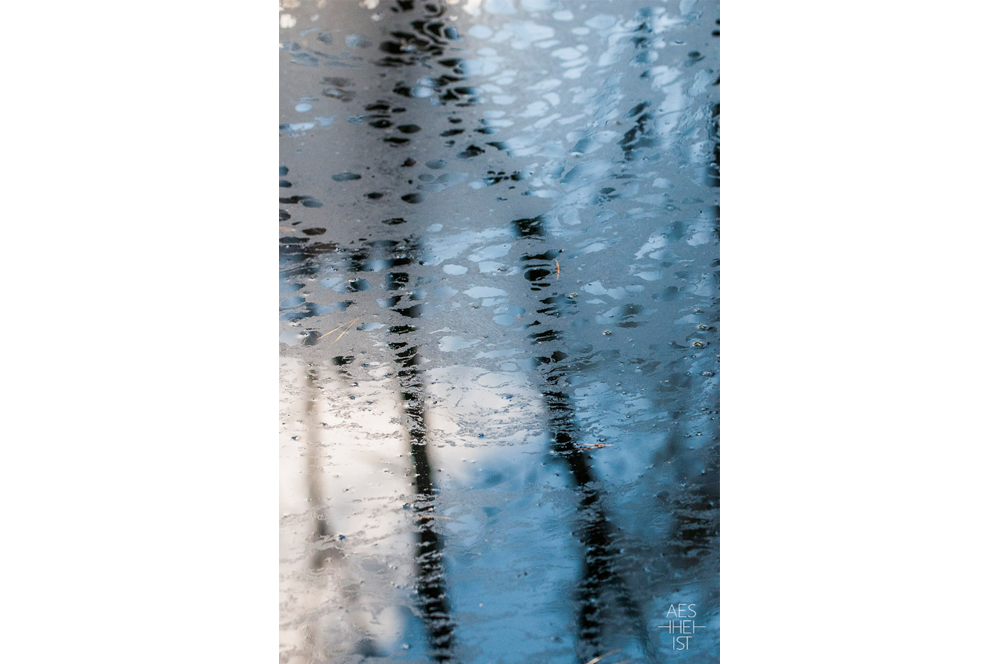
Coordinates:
[682,625]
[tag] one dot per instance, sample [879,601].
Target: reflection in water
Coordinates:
[498,326]
[430,583]
[599,577]
[314,472]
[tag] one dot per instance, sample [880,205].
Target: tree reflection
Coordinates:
[430,583]
[601,584]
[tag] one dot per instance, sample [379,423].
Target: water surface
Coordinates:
[498,331]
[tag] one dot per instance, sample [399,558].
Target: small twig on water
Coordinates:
[594,447]
[333,330]
[346,329]
[557,270]
[349,323]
